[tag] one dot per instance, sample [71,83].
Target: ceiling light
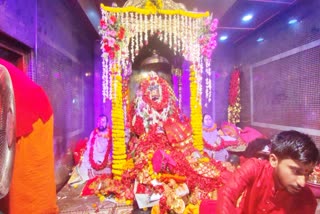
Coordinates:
[292,21]
[247,17]
[222,38]
[260,39]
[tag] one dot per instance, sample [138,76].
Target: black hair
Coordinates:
[295,145]
[255,147]
[103,115]
[234,159]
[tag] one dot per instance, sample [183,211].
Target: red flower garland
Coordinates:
[223,144]
[213,148]
[234,87]
[138,127]
[184,168]
[79,150]
[161,104]
[104,163]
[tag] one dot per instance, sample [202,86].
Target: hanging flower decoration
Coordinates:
[234,87]
[113,34]
[208,40]
[234,108]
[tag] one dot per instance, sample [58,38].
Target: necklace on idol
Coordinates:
[104,163]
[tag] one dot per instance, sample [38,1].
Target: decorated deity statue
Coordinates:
[162,148]
[154,113]
[163,170]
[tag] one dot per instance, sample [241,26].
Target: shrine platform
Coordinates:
[69,201]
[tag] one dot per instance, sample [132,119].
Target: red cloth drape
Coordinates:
[31,101]
[32,187]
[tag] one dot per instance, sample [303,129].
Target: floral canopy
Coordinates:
[125,30]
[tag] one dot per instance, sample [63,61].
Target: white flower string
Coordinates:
[174,34]
[151,25]
[160,28]
[170,32]
[208,82]
[145,29]
[141,29]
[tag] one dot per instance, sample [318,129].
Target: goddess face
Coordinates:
[155,93]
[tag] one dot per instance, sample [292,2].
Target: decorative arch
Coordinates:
[189,34]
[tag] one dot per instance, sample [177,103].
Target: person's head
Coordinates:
[207,120]
[102,122]
[258,148]
[293,156]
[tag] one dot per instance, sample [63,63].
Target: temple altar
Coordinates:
[163,155]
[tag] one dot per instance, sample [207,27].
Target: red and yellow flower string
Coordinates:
[234,108]
[196,110]
[118,135]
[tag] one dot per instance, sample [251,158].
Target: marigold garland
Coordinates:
[196,111]
[117,115]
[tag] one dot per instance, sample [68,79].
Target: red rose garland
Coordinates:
[104,163]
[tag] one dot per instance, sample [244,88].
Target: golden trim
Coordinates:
[194,15]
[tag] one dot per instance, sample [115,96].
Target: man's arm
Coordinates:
[240,180]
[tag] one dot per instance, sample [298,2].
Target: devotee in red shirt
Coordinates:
[276,186]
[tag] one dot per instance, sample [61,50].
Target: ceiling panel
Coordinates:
[275,1]
[261,12]
[229,13]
